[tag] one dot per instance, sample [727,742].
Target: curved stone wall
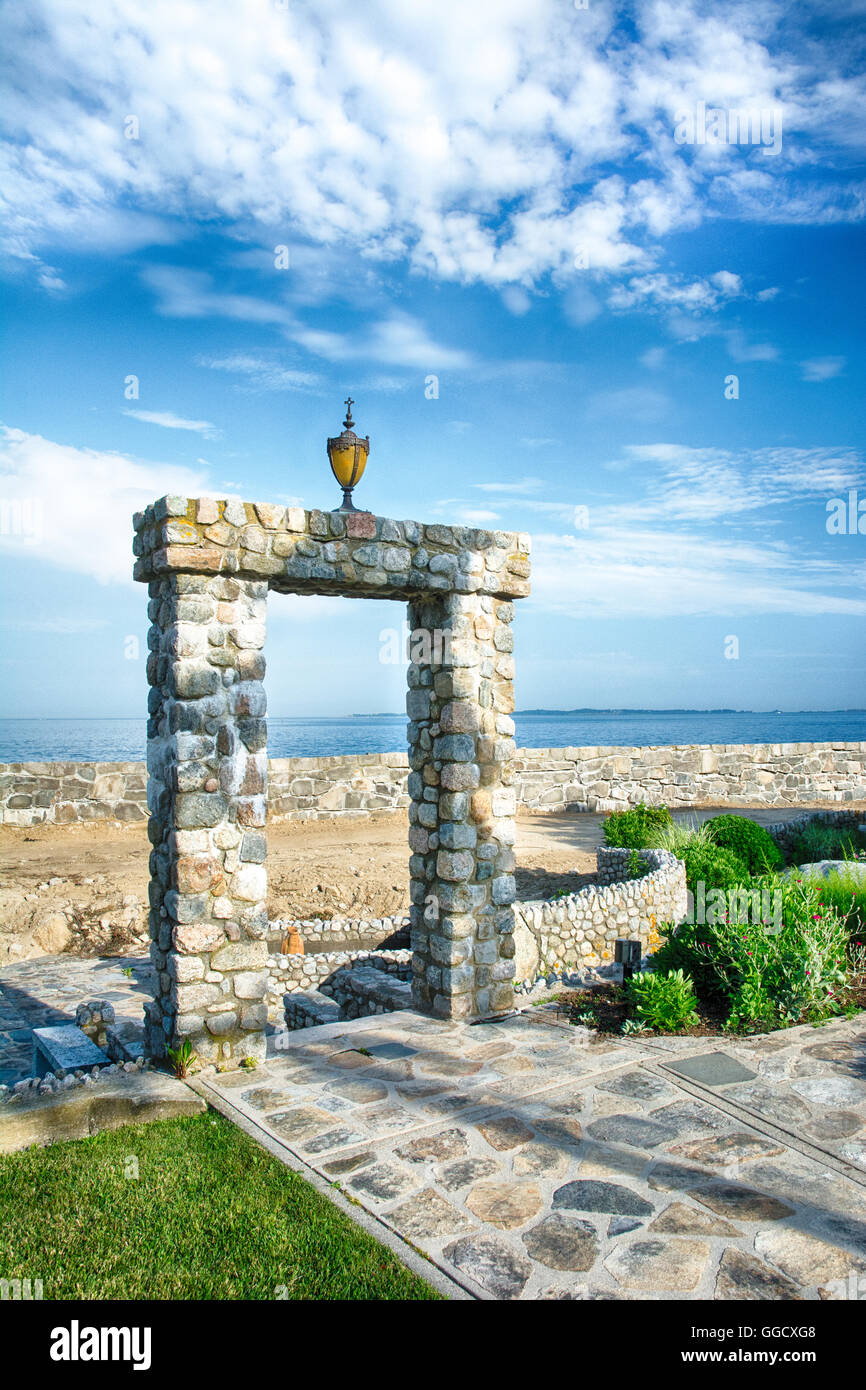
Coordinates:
[784,832]
[580,929]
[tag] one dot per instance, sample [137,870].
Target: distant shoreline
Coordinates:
[583,711]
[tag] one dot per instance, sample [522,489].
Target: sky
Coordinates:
[570,289]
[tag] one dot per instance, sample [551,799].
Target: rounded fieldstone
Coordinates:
[831,1091]
[562,1242]
[836,1124]
[638,1085]
[357,1090]
[506,1133]
[742,1203]
[728,1148]
[592,1195]
[493,1265]
[539,1158]
[505,1204]
[630,1129]
[741,1276]
[678,1219]
[426,1216]
[805,1258]
[669,1265]
[383,1182]
[461,1174]
[449,1143]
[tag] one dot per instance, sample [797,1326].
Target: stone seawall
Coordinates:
[546,779]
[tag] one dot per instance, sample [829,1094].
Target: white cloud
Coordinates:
[580,306]
[520,487]
[473,141]
[664,291]
[84,499]
[628,571]
[263,374]
[690,532]
[743,351]
[516,300]
[189,294]
[822,368]
[477,516]
[686,484]
[398,340]
[654,358]
[169,421]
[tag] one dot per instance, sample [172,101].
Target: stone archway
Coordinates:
[209,566]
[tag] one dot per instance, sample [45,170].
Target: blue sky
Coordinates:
[492,196]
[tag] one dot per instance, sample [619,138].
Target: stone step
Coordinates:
[64,1047]
[310,1008]
[363,990]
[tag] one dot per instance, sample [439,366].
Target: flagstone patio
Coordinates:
[530,1159]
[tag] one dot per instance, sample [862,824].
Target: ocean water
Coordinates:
[120,740]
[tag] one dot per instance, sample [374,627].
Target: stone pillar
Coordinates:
[462,831]
[207,783]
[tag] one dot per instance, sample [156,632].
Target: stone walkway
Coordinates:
[530,1159]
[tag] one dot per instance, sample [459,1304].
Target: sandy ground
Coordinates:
[84,887]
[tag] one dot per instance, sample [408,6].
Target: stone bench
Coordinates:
[65,1047]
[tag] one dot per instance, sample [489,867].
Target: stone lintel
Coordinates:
[317,552]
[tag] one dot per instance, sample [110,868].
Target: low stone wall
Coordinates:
[324,972]
[67,793]
[312,788]
[785,832]
[369,987]
[367,932]
[546,779]
[340,985]
[581,928]
[717,774]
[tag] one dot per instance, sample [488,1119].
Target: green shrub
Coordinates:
[680,952]
[770,976]
[637,866]
[680,835]
[637,827]
[712,865]
[748,840]
[663,1002]
[817,840]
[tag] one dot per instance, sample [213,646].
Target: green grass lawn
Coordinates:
[210,1215]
